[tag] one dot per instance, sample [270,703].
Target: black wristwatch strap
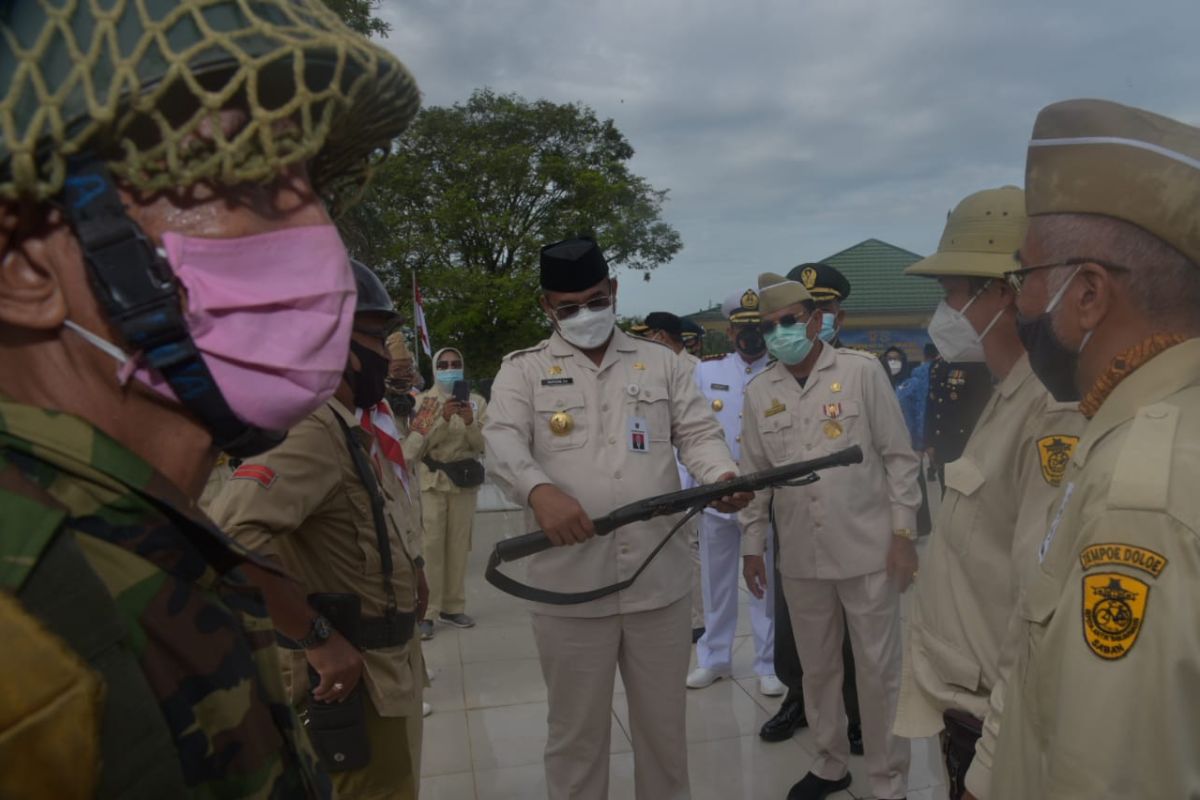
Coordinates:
[314,637]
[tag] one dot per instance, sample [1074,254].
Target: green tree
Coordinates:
[471,193]
[360,16]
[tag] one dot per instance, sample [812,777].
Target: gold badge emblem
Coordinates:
[718,404]
[1055,453]
[750,300]
[561,423]
[835,387]
[833,410]
[776,408]
[809,278]
[639,365]
[555,370]
[1114,607]
[832,428]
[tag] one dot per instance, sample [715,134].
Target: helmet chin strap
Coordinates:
[141,297]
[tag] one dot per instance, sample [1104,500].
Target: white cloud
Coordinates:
[790,130]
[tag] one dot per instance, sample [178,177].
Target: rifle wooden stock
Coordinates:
[675,502]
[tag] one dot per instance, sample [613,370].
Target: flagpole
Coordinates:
[416,327]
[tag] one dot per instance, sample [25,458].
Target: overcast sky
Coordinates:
[787,131]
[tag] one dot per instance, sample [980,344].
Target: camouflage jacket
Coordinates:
[188,618]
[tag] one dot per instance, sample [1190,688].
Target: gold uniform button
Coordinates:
[739,439]
[718,404]
[561,423]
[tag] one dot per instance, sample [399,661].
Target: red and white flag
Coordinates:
[419,319]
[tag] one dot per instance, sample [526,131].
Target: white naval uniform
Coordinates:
[724,380]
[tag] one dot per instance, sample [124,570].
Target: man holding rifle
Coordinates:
[581,423]
[845,541]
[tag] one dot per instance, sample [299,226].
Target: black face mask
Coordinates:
[750,343]
[402,403]
[370,382]
[1053,362]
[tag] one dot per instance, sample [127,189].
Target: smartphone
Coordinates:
[461,392]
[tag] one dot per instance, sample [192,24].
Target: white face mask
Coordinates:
[954,335]
[894,366]
[589,329]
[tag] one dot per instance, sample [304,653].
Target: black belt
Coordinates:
[374,633]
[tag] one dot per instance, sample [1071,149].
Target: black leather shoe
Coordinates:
[854,734]
[696,634]
[789,719]
[813,788]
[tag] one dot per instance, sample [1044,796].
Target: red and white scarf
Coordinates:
[381,424]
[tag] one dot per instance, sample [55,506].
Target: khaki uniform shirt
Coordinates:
[992,516]
[640,383]
[842,525]
[446,441]
[305,503]
[1102,700]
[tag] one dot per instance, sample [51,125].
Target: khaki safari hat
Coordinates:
[982,236]
[776,292]
[1099,157]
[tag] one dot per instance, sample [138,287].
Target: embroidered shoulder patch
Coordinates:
[1114,609]
[1126,555]
[1055,453]
[263,475]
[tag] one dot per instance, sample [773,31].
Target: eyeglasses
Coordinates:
[766,327]
[1016,278]
[449,365]
[595,304]
[380,335]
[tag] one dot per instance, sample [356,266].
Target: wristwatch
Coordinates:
[318,633]
[907,533]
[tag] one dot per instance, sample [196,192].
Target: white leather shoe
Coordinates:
[770,686]
[703,676]
[426,709]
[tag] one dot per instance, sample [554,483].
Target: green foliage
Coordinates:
[359,15]
[716,342]
[474,190]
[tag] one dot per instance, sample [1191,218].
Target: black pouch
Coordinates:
[338,731]
[465,474]
[958,748]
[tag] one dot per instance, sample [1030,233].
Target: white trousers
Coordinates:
[872,608]
[721,570]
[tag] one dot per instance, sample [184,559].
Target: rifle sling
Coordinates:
[511,586]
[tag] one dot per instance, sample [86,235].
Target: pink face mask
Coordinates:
[271,315]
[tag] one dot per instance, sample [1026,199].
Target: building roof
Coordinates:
[878,283]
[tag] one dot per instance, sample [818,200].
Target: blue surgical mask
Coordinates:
[829,329]
[447,377]
[790,345]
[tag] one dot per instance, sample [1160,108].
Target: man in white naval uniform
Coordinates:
[722,380]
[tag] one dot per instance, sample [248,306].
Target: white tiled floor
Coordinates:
[485,738]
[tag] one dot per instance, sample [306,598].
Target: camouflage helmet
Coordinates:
[135,81]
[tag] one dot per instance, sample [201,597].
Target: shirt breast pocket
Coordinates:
[364,526]
[778,434]
[965,479]
[561,422]
[654,405]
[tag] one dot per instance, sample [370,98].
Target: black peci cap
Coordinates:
[572,265]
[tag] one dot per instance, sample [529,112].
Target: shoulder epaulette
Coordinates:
[1142,473]
[649,341]
[715,357]
[857,352]
[542,345]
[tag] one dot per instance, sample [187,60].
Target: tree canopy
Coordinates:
[474,190]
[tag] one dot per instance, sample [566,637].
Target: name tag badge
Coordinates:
[720,387]
[639,435]
[557,381]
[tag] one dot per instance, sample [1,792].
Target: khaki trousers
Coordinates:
[447,518]
[395,769]
[872,614]
[579,658]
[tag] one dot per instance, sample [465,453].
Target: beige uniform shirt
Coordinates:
[306,504]
[1102,700]
[841,526]
[446,441]
[993,515]
[638,383]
